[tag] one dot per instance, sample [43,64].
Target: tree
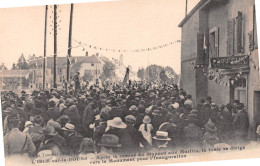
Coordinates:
[152,73]
[14,66]
[140,73]
[22,63]
[163,76]
[172,77]
[108,70]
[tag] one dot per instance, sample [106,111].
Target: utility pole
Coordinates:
[55,46]
[186,8]
[69,45]
[44,50]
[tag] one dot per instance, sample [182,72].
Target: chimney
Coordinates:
[86,53]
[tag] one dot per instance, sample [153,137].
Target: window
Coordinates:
[239,44]
[87,71]
[60,79]
[253,44]
[92,64]
[214,42]
[230,37]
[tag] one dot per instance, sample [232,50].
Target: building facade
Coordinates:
[219,56]
[84,64]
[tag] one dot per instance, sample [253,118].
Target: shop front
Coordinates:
[234,70]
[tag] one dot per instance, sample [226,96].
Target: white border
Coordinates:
[20,3]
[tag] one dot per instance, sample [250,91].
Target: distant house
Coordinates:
[83,64]
[13,79]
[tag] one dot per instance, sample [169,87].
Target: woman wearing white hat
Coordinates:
[114,125]
[146,129]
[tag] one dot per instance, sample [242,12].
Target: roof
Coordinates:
[198,6]
[62,61]
[14,73]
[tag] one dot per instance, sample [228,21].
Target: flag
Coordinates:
[205,48]
[69,60]
[27,76]
[126,76]
[204,43]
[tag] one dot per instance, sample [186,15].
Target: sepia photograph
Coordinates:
[131,82]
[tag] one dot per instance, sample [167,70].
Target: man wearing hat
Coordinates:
[100,129]
[76,80]
[192,134]
[211,134]
[161,139]
[88,116]
[157,119]
[73,138]
[109,143]
[241,124]
[52,112]
[53,141]
[129,137]
[17,142]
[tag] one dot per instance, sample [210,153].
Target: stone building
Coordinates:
[84,64]
[219,56]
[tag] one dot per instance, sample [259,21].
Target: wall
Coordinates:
[87,66]
[218,17]
[253,85]
[189,54]
[245,7]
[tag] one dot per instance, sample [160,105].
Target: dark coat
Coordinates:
[88,116]
[57,144]
[192,135]
[74,142]
[99,131]
[51,113]
[205,114]
[241,122]
[156,122]
[130,139]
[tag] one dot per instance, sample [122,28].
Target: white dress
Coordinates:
[146,134]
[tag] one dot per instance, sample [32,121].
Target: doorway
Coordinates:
[257,107]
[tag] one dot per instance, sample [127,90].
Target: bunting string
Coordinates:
[85,46]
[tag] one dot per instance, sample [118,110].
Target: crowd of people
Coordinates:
[117,118]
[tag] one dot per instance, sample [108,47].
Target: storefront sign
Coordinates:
[230,62]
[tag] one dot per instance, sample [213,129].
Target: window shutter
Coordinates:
[239,32]
[230,37]
[251,40]
[217,42]
[255,29]
[200,52]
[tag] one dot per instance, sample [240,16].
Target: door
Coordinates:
[257,107]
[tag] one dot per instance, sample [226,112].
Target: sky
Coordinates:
[128,24]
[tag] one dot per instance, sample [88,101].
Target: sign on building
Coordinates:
[230,62]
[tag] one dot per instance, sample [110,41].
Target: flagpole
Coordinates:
[186,8]
[55,46]
[69,44]
[44,50]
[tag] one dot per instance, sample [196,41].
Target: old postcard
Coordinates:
[130,82]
